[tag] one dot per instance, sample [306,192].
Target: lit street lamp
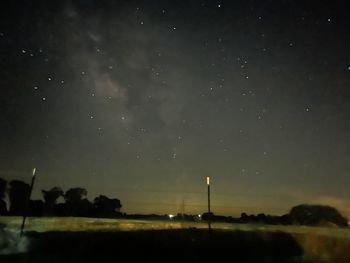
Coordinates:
[209,214]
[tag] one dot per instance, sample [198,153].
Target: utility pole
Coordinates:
[28,202]
[209,213]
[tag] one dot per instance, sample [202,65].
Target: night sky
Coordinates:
[141,100]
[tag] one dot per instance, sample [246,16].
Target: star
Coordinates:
[162,94]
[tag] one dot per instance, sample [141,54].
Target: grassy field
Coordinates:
[91,238]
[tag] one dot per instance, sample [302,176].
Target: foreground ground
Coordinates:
[102,240]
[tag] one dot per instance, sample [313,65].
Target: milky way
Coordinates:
[141,100]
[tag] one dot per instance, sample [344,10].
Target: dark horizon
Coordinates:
[141,100]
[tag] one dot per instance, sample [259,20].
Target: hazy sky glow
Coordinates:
[141,100]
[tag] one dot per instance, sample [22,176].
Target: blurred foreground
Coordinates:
[90,240]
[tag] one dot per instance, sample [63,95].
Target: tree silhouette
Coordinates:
[3,208]
[50,199]
[35,208]
[75,195]
[76,202]
[18,194]
[317,214]
[3,185]
[244,217]
[106,207]
[206,216]
[261,218]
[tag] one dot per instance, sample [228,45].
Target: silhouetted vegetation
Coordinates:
[266,219]
[105,207]
[3,207]
[50,199]
[317,215]
[75,202]
[18,195]
[35,208]
[312,215]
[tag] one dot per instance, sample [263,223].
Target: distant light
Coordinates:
[208,180]
[171,216]
[199,215]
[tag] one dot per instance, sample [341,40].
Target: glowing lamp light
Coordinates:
[171,216]
[208,180]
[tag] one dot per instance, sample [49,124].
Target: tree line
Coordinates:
[304,214]
[75,202]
